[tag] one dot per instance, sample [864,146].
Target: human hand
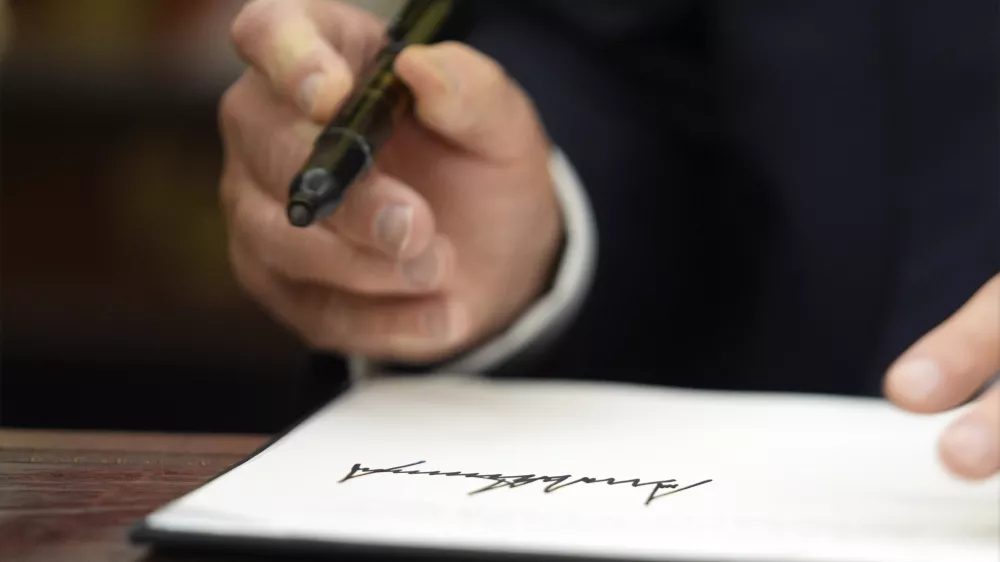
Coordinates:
[451,237]
[946,368]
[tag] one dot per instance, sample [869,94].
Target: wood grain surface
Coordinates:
[73,496]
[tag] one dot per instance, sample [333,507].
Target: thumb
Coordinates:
[468,98]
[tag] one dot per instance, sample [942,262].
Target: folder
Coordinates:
[472,468]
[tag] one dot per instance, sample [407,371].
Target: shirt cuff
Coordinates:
[553,312]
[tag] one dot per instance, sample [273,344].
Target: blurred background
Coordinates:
[117,303]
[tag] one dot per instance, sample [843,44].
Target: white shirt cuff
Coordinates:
[551,314]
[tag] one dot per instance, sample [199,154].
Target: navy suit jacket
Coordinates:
[788,192]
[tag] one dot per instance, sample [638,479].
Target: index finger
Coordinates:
[270,141]
[309,50]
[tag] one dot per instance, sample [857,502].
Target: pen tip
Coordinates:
[299,215]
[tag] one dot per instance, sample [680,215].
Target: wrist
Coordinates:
[541,287]
[519,289]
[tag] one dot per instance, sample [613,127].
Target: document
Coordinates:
[597,470]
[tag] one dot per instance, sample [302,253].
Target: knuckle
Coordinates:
[228,195]
[252,229]
[272,154]
[248,275]
[239,213]
[281,40]
[251,24]
[230,110]
[232,190]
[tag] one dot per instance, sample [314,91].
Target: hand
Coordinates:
[451,237]
[946,368]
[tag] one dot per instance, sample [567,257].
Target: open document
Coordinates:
[456,465]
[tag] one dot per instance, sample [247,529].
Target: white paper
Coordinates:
[793,478]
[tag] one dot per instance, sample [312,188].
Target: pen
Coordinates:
[346,149]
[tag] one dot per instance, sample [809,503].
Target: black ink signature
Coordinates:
[555,483]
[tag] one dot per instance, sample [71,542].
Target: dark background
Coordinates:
[119,310]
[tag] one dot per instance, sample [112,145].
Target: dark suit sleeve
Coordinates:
[585,66]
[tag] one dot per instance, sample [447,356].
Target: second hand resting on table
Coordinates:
[419,265]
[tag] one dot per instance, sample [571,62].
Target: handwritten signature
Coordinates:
[660,488]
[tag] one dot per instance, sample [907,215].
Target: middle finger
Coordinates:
[320,256]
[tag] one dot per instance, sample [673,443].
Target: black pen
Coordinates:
[346,149]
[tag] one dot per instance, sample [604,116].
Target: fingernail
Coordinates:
[917,380]
[393,228]
[423,271]
[309,90]
[973,446]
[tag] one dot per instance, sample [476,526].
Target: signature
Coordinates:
[659,488]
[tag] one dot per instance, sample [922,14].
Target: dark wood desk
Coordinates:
[72,496]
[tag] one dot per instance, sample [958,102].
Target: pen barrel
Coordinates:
[368,118]
[346,150]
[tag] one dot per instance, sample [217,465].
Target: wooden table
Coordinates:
[73,496]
